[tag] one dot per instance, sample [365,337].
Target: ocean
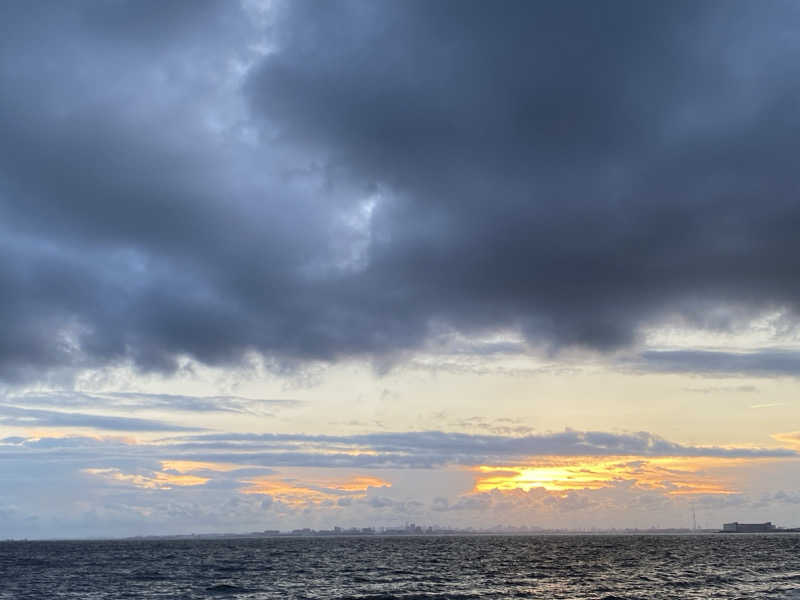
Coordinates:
[385,568]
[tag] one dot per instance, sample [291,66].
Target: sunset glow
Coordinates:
[156,480]
[311,491]
[188,466]
[672,475]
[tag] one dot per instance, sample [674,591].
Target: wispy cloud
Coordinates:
[13,416]
[63,399]
[735,389]
[792,438]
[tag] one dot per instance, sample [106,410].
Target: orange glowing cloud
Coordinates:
[312,491]
[156,480]
[672,475]
[792,438]
[188,466]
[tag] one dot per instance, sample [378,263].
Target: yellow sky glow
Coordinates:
[792,438]
[672,475]
[312,491]
[157,480]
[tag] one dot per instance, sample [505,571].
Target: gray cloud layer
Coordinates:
[424,449]
[436,448]
[773,362]
[573,170]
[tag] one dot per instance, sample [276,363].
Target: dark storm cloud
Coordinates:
[386,171]
[576,169]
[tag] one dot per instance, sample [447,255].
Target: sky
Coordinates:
[274,264]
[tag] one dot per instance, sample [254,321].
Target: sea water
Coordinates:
[575,567]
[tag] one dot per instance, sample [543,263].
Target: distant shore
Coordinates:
[399,534]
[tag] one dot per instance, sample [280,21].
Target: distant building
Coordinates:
[737,527]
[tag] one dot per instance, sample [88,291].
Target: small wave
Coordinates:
[225,589]
[413,596]
[147,576]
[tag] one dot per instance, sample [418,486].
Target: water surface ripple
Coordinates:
[414,568]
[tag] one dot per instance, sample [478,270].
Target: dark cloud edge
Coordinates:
[774,362]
